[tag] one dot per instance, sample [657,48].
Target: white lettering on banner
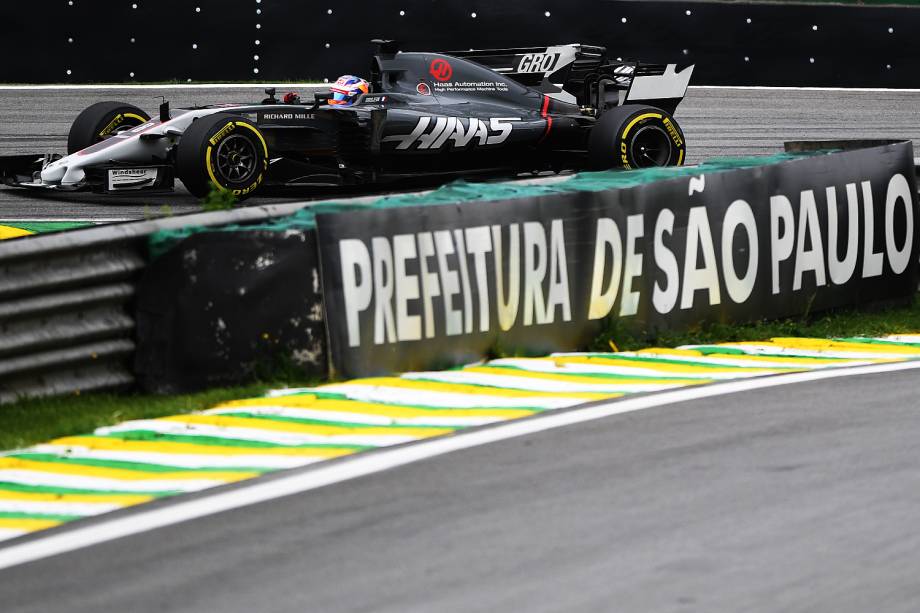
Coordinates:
[356,264]
[872,261]
[629,305]
[534,271]
[450,283]
[898,191]
[558,295]
[403,275]
[699,239]
[842,270]
[808,259]
[383,291]
[664,300]
[465,280]
[739,213]
[607,239]
[804,236]
[408,327]
[697,184]
[518,273]
[431,289]
[507,309]
[478,244]
[781,245]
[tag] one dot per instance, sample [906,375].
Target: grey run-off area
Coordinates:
[717,122]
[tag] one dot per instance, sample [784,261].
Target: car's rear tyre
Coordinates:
[101,120]
[225,151]
[633,136]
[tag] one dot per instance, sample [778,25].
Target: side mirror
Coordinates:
[164,111]
[270,92]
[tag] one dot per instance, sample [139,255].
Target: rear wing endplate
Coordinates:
[664,90]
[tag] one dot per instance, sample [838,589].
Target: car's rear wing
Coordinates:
[583,75]
[663,87]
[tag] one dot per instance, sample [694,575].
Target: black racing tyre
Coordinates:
[633,136]
[223,150]
[100,120]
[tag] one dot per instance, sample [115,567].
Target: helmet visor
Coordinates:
[341,98]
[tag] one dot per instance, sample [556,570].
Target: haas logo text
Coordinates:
[435,132]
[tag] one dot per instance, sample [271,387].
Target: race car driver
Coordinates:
[347,89]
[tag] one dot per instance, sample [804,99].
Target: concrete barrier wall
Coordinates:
[440,283]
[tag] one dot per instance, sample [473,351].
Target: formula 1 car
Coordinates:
[428,115]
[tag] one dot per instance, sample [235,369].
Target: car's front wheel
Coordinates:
[101,120]
[224,151]
[634,136]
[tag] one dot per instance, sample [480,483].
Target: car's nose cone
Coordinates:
[54,173]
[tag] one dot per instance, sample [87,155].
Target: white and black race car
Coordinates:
[427,116]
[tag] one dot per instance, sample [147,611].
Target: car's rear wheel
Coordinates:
[633,136]
[101,120]
[224,151]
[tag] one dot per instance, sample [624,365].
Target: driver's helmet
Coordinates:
[347,88]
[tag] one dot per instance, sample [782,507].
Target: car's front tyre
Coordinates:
[223,151]
[101,120]
[634,136]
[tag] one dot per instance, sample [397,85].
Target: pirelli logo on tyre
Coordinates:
[248,190]
[116,121]
[132,119]
[227,129]
[672,132]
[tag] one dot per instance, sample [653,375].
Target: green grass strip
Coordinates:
[146,435]
[319,422]
[124,465]
[11,515]
[37,420]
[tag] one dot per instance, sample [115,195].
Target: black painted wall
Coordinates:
[732,43]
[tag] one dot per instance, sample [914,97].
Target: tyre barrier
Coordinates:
[447,278]
[67,320]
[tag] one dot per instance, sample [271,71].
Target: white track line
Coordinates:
[360,465]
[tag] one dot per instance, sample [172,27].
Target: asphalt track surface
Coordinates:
[798,498]
[716,122]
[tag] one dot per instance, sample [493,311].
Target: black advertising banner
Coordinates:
[426,287]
